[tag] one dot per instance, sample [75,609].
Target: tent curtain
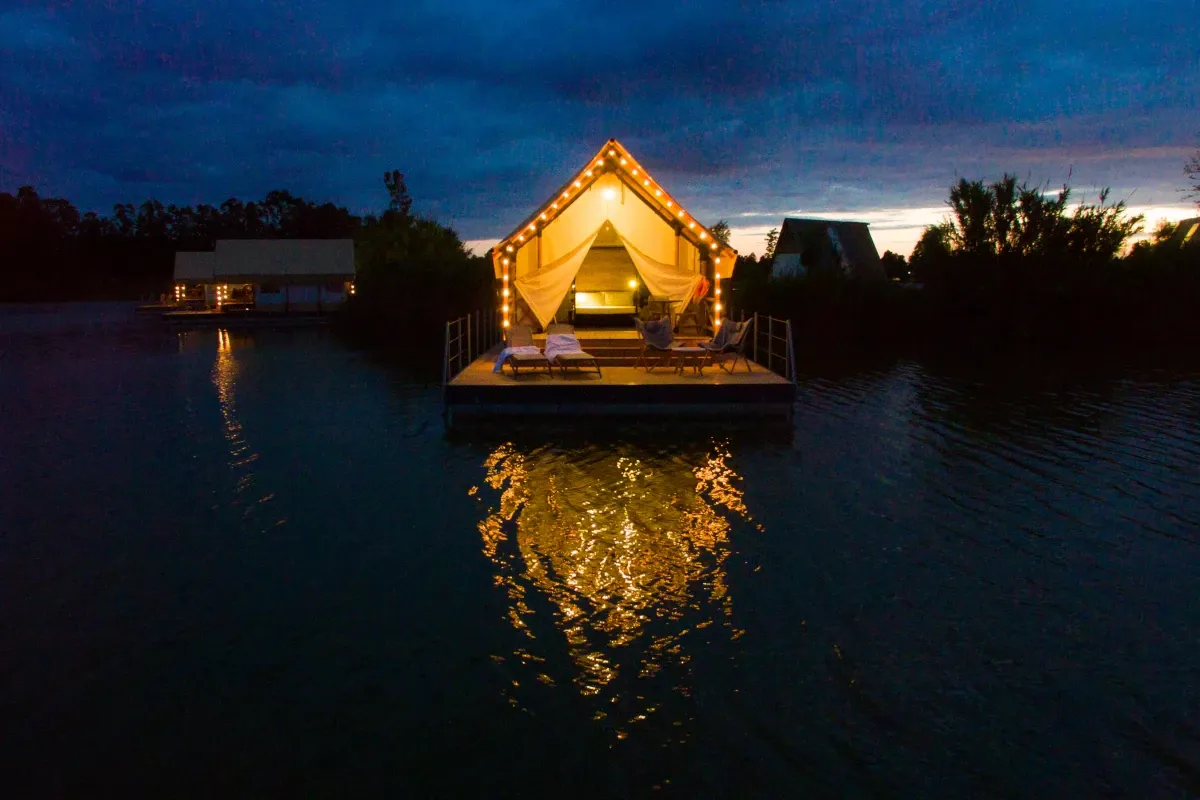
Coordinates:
[664,280]
[545,289]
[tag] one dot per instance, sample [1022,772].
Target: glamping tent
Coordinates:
[612,203]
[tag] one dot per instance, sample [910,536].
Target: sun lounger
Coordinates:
[564,350]
[521,351]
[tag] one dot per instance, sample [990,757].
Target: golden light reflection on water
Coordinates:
[630,552]
[242,456]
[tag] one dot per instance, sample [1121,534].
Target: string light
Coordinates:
[717,305]
[549,214]
[504,294]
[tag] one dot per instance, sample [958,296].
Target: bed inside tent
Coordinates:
[608,239]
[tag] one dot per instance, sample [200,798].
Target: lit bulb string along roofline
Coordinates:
[613,157]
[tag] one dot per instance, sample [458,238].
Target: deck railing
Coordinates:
[468,337]
[773,346]
[471,335]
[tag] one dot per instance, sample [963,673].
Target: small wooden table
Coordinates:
[690,351]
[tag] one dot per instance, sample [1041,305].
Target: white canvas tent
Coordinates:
[671,252]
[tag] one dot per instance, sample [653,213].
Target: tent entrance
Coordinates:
[552,290]
[607,285]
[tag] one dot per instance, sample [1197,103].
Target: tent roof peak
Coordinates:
[614,158]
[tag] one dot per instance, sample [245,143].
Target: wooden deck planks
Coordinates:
[479,373]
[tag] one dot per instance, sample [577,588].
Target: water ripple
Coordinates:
[626,551]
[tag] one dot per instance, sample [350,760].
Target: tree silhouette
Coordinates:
[894,265]
[130,252]
[1010,219]
[720,232]
[772,240]
[400,201]
[1191,171]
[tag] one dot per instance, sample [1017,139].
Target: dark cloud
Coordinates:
[487,106]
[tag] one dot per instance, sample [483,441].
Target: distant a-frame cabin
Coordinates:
[608,231]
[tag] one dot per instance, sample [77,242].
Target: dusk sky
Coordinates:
[745,111]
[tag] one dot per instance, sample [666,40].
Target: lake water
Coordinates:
[252,563]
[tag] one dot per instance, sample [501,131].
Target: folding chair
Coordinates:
[729,338]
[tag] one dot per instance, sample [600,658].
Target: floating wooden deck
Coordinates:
[478,392]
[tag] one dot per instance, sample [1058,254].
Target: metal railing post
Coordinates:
[446,359]
[468,339]
[755,337]
[770,343]
[791,352]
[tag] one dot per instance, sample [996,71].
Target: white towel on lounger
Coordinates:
[520,350]
[560,344]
